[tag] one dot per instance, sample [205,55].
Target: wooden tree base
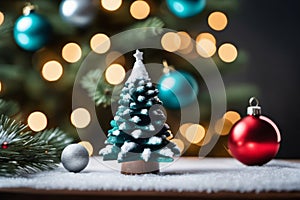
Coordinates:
[139,167]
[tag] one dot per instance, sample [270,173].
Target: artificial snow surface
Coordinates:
[185,174]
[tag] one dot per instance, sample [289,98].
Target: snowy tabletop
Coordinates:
[184,175]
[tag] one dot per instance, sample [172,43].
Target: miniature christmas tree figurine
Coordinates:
[139,135]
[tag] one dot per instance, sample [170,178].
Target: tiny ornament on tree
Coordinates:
[255,139]
[75,158]
[78,12]
[32,31]
[184,8]
[139,135]
[177,89]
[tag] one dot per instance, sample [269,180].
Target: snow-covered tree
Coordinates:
[139,131]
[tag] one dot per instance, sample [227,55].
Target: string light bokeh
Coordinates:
[37,121]
[100,43]
[80,117]
[171,41]
[1,18]
[217,21]
[111,5]
[71,52]
[52,70]
[115,74]
[139,10]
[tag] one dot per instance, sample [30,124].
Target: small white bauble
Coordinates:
[75,158]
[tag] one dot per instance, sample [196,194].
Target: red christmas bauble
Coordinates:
[4,145]
[254,140]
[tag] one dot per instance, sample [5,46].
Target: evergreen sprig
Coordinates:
[23,152]
[99,90]
[8,108]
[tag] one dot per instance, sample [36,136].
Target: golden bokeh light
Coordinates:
[0,86]
[88,146]
[179,144]
[1,18]
[195,133]
[80,118]
[183,128]
[227,52]
[232,116]
[217,21]
[111,5]
[52,70]
[100,43]
[71,52]
[115,74]
[205,140]
[206,48]
[171,41]
[207,36]
[37,121]
[139,9]
[185,40]
[115,57]
[223,126]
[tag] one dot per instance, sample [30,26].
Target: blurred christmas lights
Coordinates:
[207,36]
[115,74]
[111,5]
[37,121]
[232,116]
[80,118]
[223,126]
[1,18]
[217,21]
[171,41]
[52,70]
[71,52]
[206,48]
[195,133]
[100,43]
[185,40]
[139,9]
[227,52]
[183,128]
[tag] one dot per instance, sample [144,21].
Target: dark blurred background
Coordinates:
[268,31]
[264,32]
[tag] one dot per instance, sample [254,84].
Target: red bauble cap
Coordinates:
[255,139]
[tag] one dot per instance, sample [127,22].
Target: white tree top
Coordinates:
[139,71]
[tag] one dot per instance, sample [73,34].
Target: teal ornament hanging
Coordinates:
[186,8]
[177,89]
[31,30]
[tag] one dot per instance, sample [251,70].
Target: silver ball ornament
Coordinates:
[75,158]
[79,13]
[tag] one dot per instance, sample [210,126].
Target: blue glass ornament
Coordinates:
[177,89]
[186,8]
[32,31]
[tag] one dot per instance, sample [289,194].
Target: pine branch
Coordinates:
[8,108]
[22,152]
[98,89]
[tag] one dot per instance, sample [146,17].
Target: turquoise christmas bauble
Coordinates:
[186,8]
[177,89]
[32,31]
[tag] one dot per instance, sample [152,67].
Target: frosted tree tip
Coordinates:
[138,55]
